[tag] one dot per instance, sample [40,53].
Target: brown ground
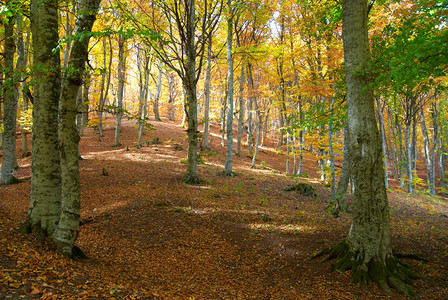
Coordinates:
[149,236]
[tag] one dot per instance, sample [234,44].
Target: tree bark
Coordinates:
[429,156]
[120,91]
[10,96]
[229,152]
[367,249]
[240,113]
[383,139]
[206,135]
[155,107]
[45,202]
[67,227]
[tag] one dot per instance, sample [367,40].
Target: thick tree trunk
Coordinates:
[120,91]
[229,151]
[367,249]
[67,227]
[344,178]
[10,96]
[45,203]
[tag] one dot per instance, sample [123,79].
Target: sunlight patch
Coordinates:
[282,228]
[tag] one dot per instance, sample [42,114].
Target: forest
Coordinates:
[211,149]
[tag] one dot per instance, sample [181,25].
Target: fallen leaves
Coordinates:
[149,236]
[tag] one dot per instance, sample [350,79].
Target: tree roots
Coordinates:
[393,274]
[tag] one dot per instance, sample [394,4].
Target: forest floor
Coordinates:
[150,236]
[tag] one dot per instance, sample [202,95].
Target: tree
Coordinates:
[10,95]
[44,211]
[180,43]
[55,186]
[367,249]
[229,151]
[67,227]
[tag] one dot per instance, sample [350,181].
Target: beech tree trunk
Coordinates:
[383,139]
[155,107]
[205,137]
[120,91]
[10,96]
[67,227]
[429,156]
[367,249]
[105,83]
[45,203]
[240,113]
[229,151]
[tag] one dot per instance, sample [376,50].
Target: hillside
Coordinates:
[149,236]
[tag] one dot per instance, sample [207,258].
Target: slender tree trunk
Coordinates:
[155,107]
[45,202]
[223,119]
[330,146]
[408,155]
[344,178]
[429,156]
[240,113]
[383,139]
[205,137]
[229,152]
[10,96]
[85,103]
[104,86]
[120,91]
[257,140]
[144,101]
[251,85]
[22,62]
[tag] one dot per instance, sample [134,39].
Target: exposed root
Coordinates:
[410,255]
[191,180]
[393,274]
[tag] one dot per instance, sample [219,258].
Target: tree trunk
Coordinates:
[205,137]
[85,103]
[429,155]
[67,227]
[22,62]
[189,83]
[407,137]
[250,129]
[104,86]
[120,91]
[383,139]
[10,96]
[229,151]
[330,149]
[344,178]
[257,140]
[240,113]
[155,107]
[144,101]
[45,202]
[367,249]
